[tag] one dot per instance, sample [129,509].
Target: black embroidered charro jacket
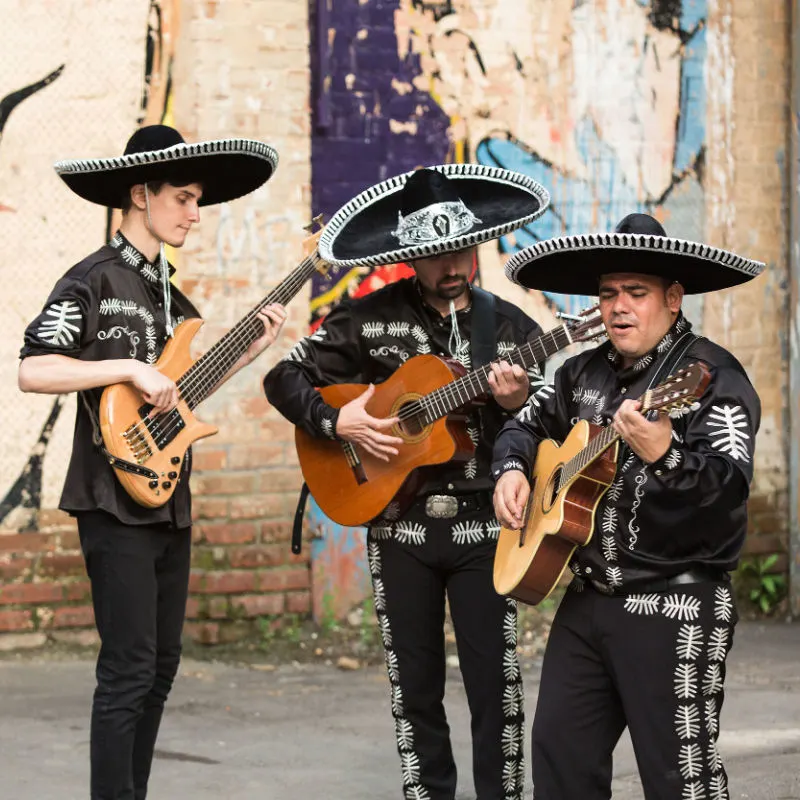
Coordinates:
[368,339]
[109,306]
[687,509]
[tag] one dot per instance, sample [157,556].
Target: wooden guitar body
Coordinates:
[353,487]
[529,562]
[127,437]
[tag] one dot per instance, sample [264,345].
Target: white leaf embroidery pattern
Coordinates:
[492,529]
[683,607]
[614,576]
[694,791]
[379,594]
[718,644]
[371,330]
[510,777]
[690,642]
[609,548]
[718,787]
[471,469]
[381,531]
[60,328]
[131,256]
[615,490]
[404,731]
[374,558]
[685,681]
[149,272]
[512,700]
[510,740]
[510,628]
[467,532]
[687,722]
[410,532]
[510,666]
[730,434]
[398,328]
[327,427]
[386,631]
[690,760]
[409,763]
[714,761]
[674,458]
[712,680]
[397,700]
[712,720]
[723,604]
[609,520]
[642,603]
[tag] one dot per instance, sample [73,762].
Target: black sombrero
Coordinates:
[430,211]
[639,244]
[226,168]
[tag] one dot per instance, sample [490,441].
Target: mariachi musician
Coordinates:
[107,321]
[442,545]
[641,636]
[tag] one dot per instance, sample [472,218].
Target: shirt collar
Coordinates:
[134,258]
[679,327]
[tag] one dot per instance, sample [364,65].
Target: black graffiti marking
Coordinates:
[27,489]
[11,101]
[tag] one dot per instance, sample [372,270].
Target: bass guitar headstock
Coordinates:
[311,242]
[587,326]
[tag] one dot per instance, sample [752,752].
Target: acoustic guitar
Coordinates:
[429,394]
[568,482]
[146,452]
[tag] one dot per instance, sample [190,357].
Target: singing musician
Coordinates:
[107,321]
[441,547]
[641,636]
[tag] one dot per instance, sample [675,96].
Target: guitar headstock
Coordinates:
[311,242]
[683,388]
[587,326]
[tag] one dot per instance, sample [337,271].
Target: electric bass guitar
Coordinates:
[146,452]
[352,487]
[567,485]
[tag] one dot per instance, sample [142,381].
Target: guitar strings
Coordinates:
[224,352]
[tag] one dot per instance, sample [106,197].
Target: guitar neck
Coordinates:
[200,380]
[587,455]
[461,391]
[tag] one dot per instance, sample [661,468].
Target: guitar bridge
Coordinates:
[354,462]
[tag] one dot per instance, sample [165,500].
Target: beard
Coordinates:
[451,291]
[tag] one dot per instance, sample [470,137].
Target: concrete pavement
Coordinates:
[311,731]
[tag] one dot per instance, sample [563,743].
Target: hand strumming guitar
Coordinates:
[510,497]
[156,388]
[357,426]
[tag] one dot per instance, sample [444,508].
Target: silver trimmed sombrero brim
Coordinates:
[574,264]
[364,232]
[227,169]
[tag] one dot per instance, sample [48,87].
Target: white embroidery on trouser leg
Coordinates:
[513,744]
[404,732]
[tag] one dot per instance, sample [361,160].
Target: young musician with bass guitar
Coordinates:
[106,322]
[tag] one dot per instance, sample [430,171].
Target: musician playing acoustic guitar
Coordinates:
[442,545]
[641,636]
[107,321]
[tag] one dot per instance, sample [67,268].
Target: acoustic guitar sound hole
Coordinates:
[550,492]
[410,426]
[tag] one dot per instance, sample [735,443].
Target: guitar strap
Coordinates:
[483,338]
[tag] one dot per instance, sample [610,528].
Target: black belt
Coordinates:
[695,575]
[446,506]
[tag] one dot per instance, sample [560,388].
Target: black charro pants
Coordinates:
[140,579]
[652,661]
[415,563]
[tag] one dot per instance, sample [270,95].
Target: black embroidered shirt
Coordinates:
[659,519]
[367,340]
[109,306]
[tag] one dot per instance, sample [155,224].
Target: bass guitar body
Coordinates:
[529,562]
[353,487]
[157,448]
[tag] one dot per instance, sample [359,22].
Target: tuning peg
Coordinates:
[318,220]
[587,311]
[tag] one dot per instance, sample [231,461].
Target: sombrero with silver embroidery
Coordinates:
[226,168]
[639,244]
[430,211]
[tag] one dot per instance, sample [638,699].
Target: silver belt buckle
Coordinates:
[441,506]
